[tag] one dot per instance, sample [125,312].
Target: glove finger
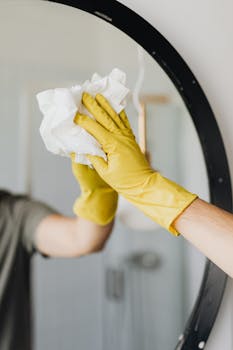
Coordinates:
[99,113]
[94,128]
[108,108]
[98,163]
[125,120]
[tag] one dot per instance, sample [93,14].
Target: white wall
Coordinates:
[202,31]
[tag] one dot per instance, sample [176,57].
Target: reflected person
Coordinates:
[27,226]
[127,170]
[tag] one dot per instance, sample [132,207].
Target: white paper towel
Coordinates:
[59,107]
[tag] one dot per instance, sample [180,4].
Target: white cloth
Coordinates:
[59,107]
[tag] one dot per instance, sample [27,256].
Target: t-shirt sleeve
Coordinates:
[32,213]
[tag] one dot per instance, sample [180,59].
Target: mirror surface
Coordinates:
[138,293]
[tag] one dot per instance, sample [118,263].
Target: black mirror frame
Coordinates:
[211,292]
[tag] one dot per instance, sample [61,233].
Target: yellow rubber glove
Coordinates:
[127,170]
[98,201]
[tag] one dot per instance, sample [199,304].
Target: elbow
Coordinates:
[100,248]
[96,249]
[88,250]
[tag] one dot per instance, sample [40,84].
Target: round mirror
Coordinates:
[139,293]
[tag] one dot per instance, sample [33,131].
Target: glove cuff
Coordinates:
[162,200]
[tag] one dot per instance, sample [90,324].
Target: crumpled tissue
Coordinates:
[59,107]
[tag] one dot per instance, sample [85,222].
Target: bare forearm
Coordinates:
[60,236]
[210,229]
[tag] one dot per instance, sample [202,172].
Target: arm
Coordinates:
[210,229]
[60,236]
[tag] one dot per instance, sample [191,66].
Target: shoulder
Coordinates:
[9,201]
[21,205]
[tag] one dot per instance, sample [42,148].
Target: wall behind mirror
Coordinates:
[139,292]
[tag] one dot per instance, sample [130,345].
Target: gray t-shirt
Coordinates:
[19,218]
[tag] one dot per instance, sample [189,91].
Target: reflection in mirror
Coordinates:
[139,292]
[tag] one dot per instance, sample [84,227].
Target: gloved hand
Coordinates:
[127,170]
[98,201]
